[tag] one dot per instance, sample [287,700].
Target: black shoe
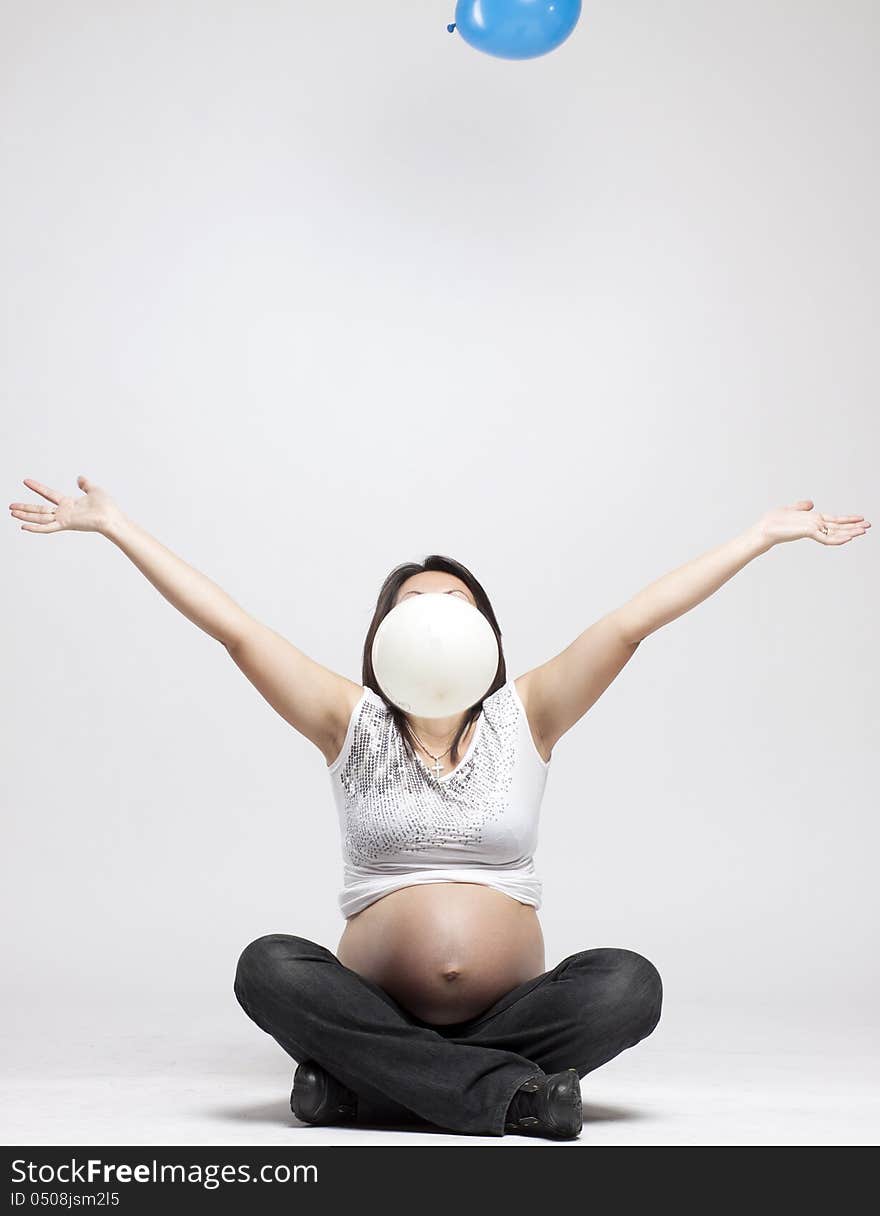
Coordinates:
[317,1097]
[547,1106]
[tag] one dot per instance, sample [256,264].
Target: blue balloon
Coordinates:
[516,29]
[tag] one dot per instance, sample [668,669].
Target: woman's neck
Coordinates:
[436,732]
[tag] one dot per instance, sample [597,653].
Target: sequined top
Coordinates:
[401,824]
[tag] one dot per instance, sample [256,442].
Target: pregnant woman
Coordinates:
[437,1006]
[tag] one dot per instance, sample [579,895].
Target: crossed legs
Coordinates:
[580,1014]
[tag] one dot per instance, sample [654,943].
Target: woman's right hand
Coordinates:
[93,511]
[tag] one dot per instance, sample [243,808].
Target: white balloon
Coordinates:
[435,655]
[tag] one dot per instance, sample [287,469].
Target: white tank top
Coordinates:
[400,824]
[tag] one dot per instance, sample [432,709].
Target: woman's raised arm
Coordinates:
[559,692]
[189,591]
[675,593]
[314,700]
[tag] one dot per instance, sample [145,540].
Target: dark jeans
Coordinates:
[462,1076]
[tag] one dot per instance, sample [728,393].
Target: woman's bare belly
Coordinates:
[444,951]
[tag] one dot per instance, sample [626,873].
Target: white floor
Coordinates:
[140,1076]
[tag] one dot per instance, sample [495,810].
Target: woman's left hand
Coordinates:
[802,520]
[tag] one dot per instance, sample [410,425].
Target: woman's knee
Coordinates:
[641,990]
[269,959]
[629,982]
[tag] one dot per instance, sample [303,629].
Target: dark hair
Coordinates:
[384,604]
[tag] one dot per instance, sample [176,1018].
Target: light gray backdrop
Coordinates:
[314,289]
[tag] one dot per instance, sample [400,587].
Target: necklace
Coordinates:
[436,767]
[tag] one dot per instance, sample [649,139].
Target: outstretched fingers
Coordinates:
[830,533]
[38,488]
[52,527]
[35,512]
[37,518]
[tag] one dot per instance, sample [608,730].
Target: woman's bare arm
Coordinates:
[559,692]
[675,593]
[313,699]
